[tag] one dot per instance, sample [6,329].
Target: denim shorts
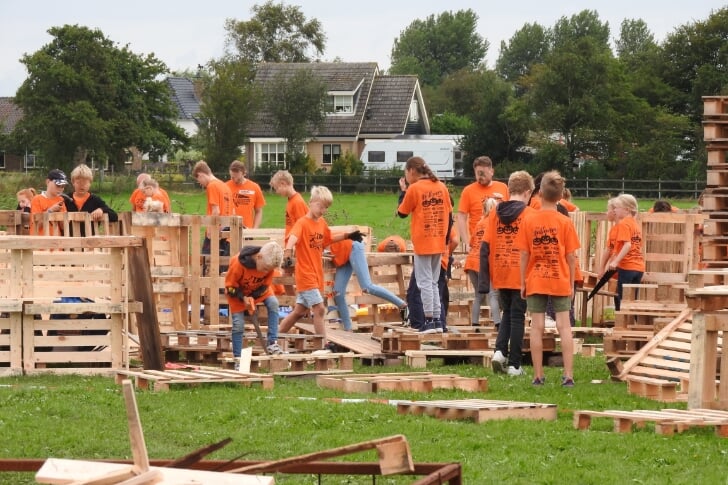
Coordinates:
[537,303]
[309,298]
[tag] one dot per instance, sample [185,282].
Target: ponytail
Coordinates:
[419,165]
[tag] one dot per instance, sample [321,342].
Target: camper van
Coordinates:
[441,152]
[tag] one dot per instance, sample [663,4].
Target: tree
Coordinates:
[276,33]
[86,97]
[527,47]
[438,46]
[229,102]
[295,101]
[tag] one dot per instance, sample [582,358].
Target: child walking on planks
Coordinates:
[548,242]
[500,269]
[249,281]
[428,200]
[296,208]
[304,251]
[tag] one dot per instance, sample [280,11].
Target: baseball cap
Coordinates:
[58,177]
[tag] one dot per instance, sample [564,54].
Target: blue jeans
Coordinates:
[358,264]
[625,277]
[238,318]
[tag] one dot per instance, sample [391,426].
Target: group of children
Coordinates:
[521,250]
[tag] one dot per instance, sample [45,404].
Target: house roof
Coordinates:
[182,92]
[338,76]
[389,105]
[10,114]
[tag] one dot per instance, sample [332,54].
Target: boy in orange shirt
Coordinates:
[50,200]
[248,200]
[306,243]
[296,208]
[500,268]
[250,275]
[548,242]
[219,202]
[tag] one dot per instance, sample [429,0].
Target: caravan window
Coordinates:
[402,157]
[376,157]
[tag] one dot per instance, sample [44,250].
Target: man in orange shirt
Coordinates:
[548,243]
[248,200]
[50,200]
[500,264]
[219,203]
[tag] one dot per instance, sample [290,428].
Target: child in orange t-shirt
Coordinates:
[548,242]
[626,255]
[296,208]
[219,203]
[428,200]
[250,276]
[306,243]
[500,264]
[50,200]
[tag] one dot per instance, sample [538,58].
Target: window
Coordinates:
[272,153]
[2,159]
[29,160]
[414,112]
[331,153]
[376,157]
[402,157]
[340,104]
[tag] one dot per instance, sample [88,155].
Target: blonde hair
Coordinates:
[82,171]
[552,186]
[321,194]
[28,193]
[150,182]
[271,254]
[627,201]
[520,182]
[489,203]
[281,177]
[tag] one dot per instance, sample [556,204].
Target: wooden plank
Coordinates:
[479,410]
[140,282]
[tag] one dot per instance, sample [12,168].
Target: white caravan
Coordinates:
[441,152]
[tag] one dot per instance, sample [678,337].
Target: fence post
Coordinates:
[339,182]
[375,183]
[659,188]
[587,187]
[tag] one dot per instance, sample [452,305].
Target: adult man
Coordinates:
[248,200]
[219,203]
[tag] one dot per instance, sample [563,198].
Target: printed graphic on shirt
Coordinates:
[435,224]
[545,248]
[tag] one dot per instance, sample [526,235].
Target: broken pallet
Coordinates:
[479,410]
[161,380]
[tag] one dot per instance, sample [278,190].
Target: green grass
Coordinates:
[84,418]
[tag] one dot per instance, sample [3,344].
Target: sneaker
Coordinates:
[550,322]
[498,362]
[567,381]
[538,381]
[515,371]
[404,314]
[274,349]
[428,327]
[236,367]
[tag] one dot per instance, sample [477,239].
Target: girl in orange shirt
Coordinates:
[428,200]
[626,256]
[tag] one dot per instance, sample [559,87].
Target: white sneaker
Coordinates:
[550,322]
[512,371]
[274,349]
[498,362]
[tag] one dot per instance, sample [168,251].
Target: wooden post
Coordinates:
[140,278]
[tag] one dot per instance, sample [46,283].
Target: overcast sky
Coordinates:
[185,33]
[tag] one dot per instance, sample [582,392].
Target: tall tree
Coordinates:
[295,102]
[437,46]
[85,96]
[527,47]
[229,102]
[276,33]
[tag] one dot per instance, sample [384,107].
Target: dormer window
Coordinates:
[340,104]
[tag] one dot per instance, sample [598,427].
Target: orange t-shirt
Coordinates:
[472,260]
[138,198]
[80,201]
[392,241]
[504,258]
[341,251]
[296,208]
[471,200]
[248,279]
[451,247]
[429,203]
[628,230]
[312,237]
[246,198]
[548,237]
[41,203]
[218,194]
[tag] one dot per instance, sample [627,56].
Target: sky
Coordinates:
[185,33]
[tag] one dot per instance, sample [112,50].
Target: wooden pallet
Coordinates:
[301,363]
[402,341]
[161,380]
[412,382]
[479,410]
[419,358]
[667,421]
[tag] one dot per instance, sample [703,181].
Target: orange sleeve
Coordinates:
[296,208]
[137,200]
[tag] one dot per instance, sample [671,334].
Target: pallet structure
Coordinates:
[289,365]
[666,421]
[191,376]
[479,410]
[409,382]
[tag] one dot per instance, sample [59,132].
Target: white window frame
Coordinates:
[334,153]
[29,160]
[264,150]
[414,111]
[340,104]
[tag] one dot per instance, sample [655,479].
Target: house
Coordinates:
[10,115]
[185,97]
[362,104]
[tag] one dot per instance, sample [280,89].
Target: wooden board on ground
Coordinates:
[161,380]
[359,343]
[419,358]
[667,421]
[413,382]
[479,410]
